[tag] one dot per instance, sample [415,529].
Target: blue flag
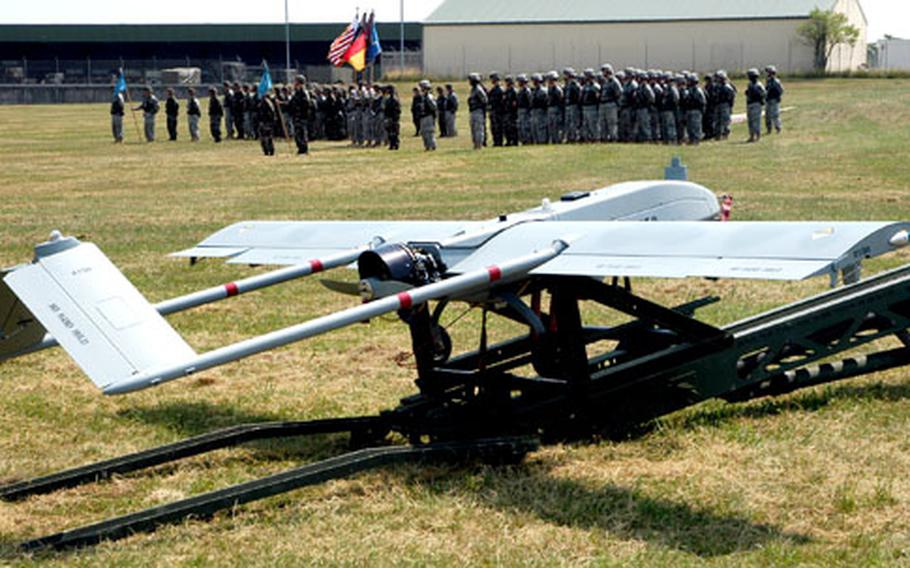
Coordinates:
[119,83]
[265,84]
[373,47]
[374,50]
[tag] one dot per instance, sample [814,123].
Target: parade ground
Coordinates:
[812,478]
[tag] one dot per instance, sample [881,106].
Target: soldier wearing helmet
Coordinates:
[590,103]
[775,92]
[524,110]
[755,102]
[477,106]
[510,100]
[696,103]
[555,109]
[627,106]
[572,91]
[497,109]
[608,113]
[427,112]
[539,104]
[725,97]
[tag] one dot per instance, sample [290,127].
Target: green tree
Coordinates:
[825,30]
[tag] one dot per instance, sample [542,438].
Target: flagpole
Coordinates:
[129,103]
[287,44]
[401,38]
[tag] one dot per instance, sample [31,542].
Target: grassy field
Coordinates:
[819,477]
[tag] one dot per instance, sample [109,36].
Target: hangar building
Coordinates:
[515,36]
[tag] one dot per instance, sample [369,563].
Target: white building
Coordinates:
[892,53]
[515,36]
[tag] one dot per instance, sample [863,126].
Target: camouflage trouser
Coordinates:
[359,134]
[693,126]
[215,128]
[539,124]
[497,127]
[248,124]
[352,126]
[478,128]
[288,125]
[680,126]
[117,127]
[228,122]
[554,125]
[772,116]
[192,120]
[451,129]
[655,124]
[609,122]
[643,120]
[366,116]
[589,130]
[753,115]
[428,132]
[573,123]
[722,124]
[149,127]
[511,130]
[524,126]
[380,137]
[626,124]
[668,127]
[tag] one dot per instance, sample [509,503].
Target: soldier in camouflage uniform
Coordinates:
[511,103]
[451,111]
[775,91]
[392,113]
[695,108]
[725,97]
[590,103]
[351,113]
[227,107]
[658,91]
[627,106]
[539,104]
[117,112]
[644,100]
[497,109]
[610,94]
[216,111]
[680,80]
[477,106]
[524,111]
[755,102]
[299,110]
[572,91]
[193,114]
[149,108]
[267,114]
[668,105]
[427,109]
[171,111]
[237,108]
[709,116]
[555,109]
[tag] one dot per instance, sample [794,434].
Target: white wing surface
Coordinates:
[296,242]
[762,250]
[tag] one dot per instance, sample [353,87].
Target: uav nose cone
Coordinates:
[900,239]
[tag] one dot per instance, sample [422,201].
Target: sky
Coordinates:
[885,16]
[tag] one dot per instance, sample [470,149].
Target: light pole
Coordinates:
[287,44]
[401,38]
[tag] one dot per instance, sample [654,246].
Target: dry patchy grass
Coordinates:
[818,477]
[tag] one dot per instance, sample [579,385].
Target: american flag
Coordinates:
[341,44]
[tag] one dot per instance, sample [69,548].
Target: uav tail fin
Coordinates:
[93,311]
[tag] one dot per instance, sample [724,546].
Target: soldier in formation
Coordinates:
[171,111]
[392,114]
[451,111]
[477,106]
[426,110]
[216,112]
[149,107]
[775,93]
[193,114]
[755,102]
[117,111]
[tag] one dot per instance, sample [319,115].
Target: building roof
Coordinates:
[188,33]
[572,11]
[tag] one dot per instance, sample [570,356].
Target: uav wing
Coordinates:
[762,250]
[297,242]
